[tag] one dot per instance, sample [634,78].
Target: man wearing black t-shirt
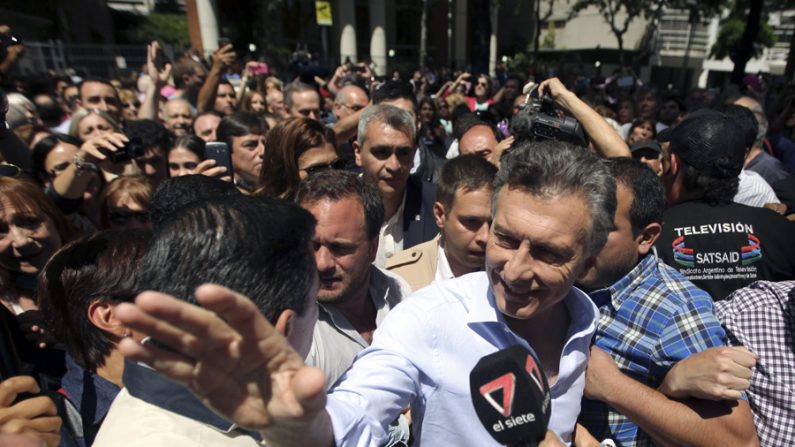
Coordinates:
[719,245]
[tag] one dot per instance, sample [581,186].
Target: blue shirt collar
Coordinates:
[146,384]
[88,392]
[625,287]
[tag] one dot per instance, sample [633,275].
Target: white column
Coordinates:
[347,20]
[208,24]
[493,14]
[378,36]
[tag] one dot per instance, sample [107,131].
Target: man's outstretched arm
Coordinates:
[669,422]
[230,356]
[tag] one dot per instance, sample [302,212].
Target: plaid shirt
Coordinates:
[761,317]
[650,319]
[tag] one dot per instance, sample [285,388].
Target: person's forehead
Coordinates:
[207,121]
[306,97]
[249,137]
[177,106]
[225,87]
[353,93]
[401,103]
[526,215]
[471,200]
[382,134]
[336,218]
[93,88]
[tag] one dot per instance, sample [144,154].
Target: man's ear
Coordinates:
[357,152]
[373,249]
[647,237]
[283,322]
[103,316]
[674,163]
[438,214]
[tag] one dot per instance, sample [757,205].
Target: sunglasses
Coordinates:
[314,169]
[9,170]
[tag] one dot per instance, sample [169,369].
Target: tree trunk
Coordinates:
[423,33]
[620,39]
[743,50]
[536,28]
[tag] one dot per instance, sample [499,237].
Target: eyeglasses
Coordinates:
[314,169]
[9,170]
[482,84]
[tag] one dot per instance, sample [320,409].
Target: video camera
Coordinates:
[537,120]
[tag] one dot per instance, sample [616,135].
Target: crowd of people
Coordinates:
[192,257]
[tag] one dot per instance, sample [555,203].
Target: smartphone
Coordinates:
[219,151]
[260,68]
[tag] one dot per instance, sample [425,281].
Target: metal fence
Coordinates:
[81,59]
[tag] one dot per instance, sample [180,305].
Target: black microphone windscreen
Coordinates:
[511,396]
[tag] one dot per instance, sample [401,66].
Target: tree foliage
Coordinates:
[731,31]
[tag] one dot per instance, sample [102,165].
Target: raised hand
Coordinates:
[230,356]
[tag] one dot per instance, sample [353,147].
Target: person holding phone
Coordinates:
[244,135]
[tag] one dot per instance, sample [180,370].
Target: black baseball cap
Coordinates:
[709,141]
[647,145]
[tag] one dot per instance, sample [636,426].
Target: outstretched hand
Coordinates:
[715,374]
[230,356]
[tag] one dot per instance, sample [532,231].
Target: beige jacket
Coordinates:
[417,265]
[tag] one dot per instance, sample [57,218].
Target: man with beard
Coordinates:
[354,295]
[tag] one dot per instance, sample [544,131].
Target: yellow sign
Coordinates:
[323,13]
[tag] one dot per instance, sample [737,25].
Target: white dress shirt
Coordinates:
[390,238]
[422,355]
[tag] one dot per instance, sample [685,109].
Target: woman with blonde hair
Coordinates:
[90,123]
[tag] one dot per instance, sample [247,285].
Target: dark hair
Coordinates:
[711,189]
[101,267]
[637,122]
[175,193]
[469,172]
[283,146]
[191,143]
[296,87]
[648,192]
[337,185]
[184,66]
[393,89]
[238,124]
[469,120]
[44,147]
[48,109]
[151,133]
[745,120]
[258,247]
[97,80]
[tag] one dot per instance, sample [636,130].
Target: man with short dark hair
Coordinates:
[260,247]
[155,140]
[651,318]
[205,124]
[719,245]
[302,101]
[100,94]
[225,98]
[463,212]
[189,75]
[355,295]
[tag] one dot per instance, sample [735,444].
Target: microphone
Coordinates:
[511,396]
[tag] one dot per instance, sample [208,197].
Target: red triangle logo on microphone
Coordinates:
[506,383]
[535,372]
